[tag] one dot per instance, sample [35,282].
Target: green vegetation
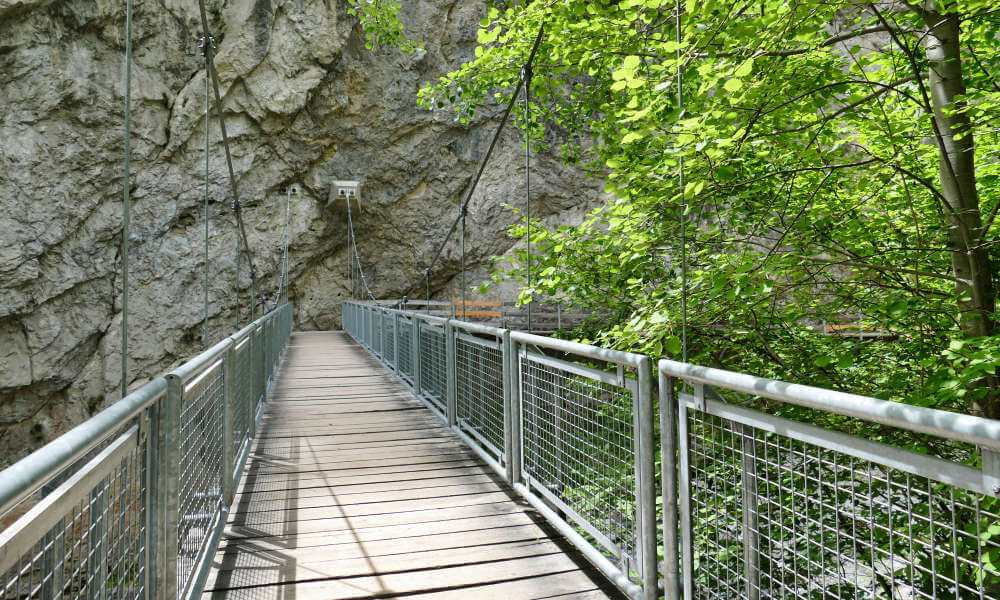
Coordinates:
[840,159]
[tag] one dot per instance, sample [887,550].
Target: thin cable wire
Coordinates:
[527,178]
[465,308]
[357,256]
[283,284]
[127,200]
[680,178]
[486,158]
[208,106]
[237,210]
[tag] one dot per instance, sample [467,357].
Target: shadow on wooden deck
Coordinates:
[355,490]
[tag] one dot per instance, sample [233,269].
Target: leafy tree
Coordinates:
[839,162]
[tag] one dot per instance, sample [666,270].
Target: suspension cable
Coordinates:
[126,200]
[486,158]
[354,247]
[208,107]
[680,180]
[237,210]
[527,179]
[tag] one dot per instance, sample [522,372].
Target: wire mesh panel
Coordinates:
[479,365]
[433,367]
[579,449]
[389,329]
[86,538]
[405,340]
[780,509]
[199,482]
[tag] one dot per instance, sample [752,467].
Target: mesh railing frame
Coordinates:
[479,366]
[88,529]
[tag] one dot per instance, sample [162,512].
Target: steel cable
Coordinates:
[210,65]
[486,158]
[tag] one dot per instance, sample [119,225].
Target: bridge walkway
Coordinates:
[355,490]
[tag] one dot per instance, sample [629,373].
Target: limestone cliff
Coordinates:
[304,101]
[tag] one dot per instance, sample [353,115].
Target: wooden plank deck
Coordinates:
[355,490]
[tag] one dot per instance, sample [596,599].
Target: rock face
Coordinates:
[304,103]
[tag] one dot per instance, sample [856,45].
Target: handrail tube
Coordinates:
[618,357]
[23,477]
[919,419]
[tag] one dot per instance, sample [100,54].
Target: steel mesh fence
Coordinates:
[773,516]
[199,482]
[81,531]
[579,452]
[96,546]
[479,370]
[433,369]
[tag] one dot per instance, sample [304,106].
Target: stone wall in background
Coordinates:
[305,102]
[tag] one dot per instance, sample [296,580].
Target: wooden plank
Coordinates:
[355,490]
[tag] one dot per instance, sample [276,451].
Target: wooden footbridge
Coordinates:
[355,489]
[415,456]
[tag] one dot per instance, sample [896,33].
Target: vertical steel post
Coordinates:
[451,374]
[395,342]
[751,559]
[149,426]
[684,495]
[168,442]
[516,425]
[647,481]
[228,406]
[508,405]
[668,461]
[415,356]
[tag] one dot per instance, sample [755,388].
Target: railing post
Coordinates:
[514,379]
[508,405]
[415,356]
[751,559]
[260,351]
[149,425]
[168,440]
[381,335]
[668,460]
[647,483]
[228,406]
[451,374]
[395,342]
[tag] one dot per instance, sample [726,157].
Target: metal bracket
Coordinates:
[699,396]
[991,470]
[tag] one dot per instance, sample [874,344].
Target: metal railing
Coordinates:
[754,505]
[131,503]
[771,507]
[570,426]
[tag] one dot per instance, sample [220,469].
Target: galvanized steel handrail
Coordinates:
[25,476]
[919,419]
[141,496]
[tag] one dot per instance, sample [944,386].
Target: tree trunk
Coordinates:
[970,260]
